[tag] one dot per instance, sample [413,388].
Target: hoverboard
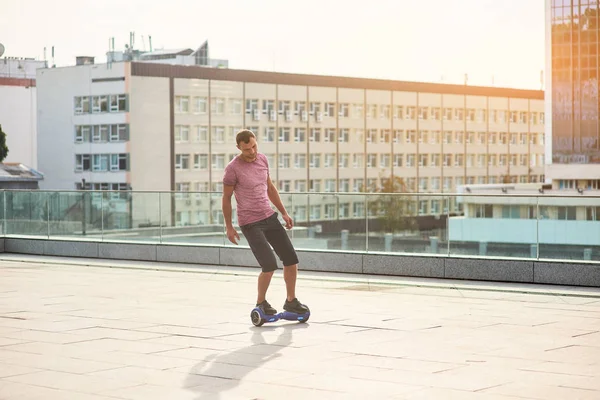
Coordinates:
[258,317]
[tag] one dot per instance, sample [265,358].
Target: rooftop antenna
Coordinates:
[466,79]
[44,53]
[53,64]
[150,42]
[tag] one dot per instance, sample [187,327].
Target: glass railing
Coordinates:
[540,227]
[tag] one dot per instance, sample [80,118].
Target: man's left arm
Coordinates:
[273,194]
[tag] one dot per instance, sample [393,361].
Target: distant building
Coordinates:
[18,107]
[19,176]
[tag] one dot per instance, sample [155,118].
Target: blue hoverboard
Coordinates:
[258,317]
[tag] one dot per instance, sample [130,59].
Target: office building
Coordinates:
[148,126]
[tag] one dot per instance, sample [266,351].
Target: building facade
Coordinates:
[18,109]
[145,126]
[572,71]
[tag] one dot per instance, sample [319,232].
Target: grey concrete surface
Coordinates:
[149,331]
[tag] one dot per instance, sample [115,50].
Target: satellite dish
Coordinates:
[1,49]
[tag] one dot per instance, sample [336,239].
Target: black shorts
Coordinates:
[270,231]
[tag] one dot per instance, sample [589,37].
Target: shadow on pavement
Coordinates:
[244,359]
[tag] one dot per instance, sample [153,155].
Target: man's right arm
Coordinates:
[227,211]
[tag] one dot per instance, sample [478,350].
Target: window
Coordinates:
[385,161]
[435,160]
[344,210]
[182,161]
[423,160]
[218,106]
[300,161]
[300,135]
[119,133]
[315,161]
[300,185]
[235,106]
[511,211]
[218,134]
[358,160]
[372,136]
[200,161]
[82,162]
[330,185]
[358,210]
[371,160]
[100,162]
[182,104]
[285,185]
[182,133]
[398,134]
[397,160]
[567,213]
[344,110]
[218,161]
[385,111]
[284,160]
[399,112]
[329,135]
[329,160]
[359,185]
[315,185]
[358,111]
[329,110]
[330,211]
[315,212]
[344,135]
[119,162]
[269,134]
[484,211]
[315,135]
[411,136]
[284,134]
[344,160]
[344,185]
[372,111]
[251,106]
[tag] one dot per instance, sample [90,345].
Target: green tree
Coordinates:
[3,147]
[393,207]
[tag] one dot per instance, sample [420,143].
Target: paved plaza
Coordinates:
[78,329]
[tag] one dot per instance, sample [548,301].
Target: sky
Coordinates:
[499,43]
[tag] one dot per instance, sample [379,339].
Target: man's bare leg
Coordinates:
[264,279]
[289,275]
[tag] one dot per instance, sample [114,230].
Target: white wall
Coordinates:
[56,92]
[497,230]
[18,120]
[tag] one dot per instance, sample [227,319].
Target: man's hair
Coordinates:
[244,136]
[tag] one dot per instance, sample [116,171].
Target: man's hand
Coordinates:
[289,224]
[232,234]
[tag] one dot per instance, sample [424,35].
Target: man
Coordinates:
[247,176]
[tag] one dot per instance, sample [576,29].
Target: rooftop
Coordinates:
[97,329]
[18,172]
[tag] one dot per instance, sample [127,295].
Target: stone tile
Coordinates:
[567,274]
[68,381]
[430,267]
[71,248]
[126,251]
[330,261]
[26,246]
[159,333]
[499,270]
[7,369]
[188,254]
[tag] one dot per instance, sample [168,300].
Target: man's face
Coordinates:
[249,150]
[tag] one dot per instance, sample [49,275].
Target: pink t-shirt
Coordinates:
[250,188]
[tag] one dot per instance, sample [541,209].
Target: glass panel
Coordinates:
[485,228]
[403,223]
[569,228]
[128,216]
[193,218]
[75,214]
[26,213]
